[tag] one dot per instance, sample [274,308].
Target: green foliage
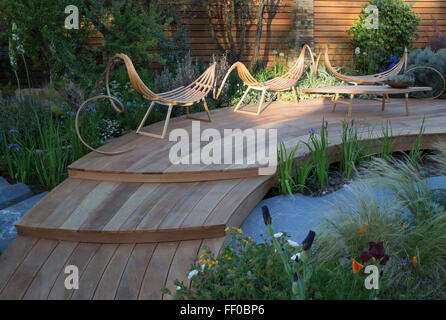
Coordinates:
[318,148]
[352,150]
[398,26]
[303,169]
[127,27]
[386,141]
[425,77]
[286,162]
[249,271]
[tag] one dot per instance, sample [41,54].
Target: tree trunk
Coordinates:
[255,58]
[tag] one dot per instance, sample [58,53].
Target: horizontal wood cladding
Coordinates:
[333,18]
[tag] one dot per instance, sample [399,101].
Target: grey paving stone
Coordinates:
[13,194]
[297,216]
[9,217]
[3,183]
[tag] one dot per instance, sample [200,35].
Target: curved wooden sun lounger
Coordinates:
[283,83]
[369,79]
[182,96]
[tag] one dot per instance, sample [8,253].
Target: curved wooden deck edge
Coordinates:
[134,236]
[168,177]
[402,143]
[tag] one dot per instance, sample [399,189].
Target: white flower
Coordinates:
[202,266]
[178,288]
[281,54]
[364,53]
[192,274]
[297,255]
[293,243]
[274,52]
[358,50]
[278,235]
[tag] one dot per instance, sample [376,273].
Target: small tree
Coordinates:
[75,68]
[236,17]
[397,29]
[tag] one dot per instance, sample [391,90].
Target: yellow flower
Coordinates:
[361,230]
[226,229]
[200,261]
[356,266]
[238,230]
[210,265]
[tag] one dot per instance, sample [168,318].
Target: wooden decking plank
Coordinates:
[40,211]
[152,199]
[135,269]
[157,213]
[46,277]
[11,259]
[93,272]
[25,273]
[111,277]
[205,206]
[134,201]
[110,206]
[186,252]
[68,205]
[101,192]
[157,271]
[184,207]
[81,257]
[232,200]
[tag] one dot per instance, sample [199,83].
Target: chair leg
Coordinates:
[406,96]
[296,101]
[384,103]
[261,102]
[200,119]
[166,123]
[243,98]
[350,105]
[278,96]
[335,100]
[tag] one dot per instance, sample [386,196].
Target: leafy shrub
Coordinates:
[398,26]
[427,57]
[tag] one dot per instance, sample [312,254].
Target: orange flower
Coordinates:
[356,266]
[415,260]
[361,230]
[373,258]
[404,226]
[366,224]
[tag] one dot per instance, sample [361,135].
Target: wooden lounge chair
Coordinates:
[368,79]
[182,97]
[283,83]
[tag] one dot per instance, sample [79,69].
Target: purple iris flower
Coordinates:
[15,146]
[13,131]
[312,130]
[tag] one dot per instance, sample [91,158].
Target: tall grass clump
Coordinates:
[415,155]
[386,142]
[318,148]
[405,181]
[286,162]
[303,168]
[352,150]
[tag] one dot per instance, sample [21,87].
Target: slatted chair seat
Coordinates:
[283,83]
[181,96]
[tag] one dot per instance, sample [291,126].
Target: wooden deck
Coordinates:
[132,223]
